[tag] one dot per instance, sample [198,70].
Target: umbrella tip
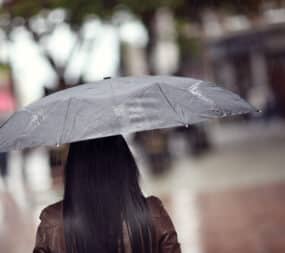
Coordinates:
[107,77]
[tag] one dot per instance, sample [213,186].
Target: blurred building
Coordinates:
[248,56]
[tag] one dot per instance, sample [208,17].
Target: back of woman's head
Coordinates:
[102,194]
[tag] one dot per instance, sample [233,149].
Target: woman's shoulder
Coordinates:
[52,214]
[156,207]
[162,222]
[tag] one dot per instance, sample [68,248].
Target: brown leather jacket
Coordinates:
[50,236]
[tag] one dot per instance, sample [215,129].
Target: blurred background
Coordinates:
[223,182]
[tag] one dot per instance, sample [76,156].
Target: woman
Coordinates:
[103,209]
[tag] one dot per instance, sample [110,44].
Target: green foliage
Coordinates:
[188,45]
[4,67]
[78,9]
[141,7]
[23,9]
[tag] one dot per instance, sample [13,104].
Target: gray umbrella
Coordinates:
[118,106]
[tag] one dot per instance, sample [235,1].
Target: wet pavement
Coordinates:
[219,194]
[244,157]
[17,227]
[248,220]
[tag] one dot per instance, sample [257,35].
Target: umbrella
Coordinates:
[118,106]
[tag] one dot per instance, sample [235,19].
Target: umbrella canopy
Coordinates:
[118,106]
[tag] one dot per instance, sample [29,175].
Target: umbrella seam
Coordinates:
[6,121]
[65,117]
[22,135]
[115,104]
[169,103]
[24,110]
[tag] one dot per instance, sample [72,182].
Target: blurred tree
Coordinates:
[21,12]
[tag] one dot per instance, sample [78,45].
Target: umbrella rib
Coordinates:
[65,118]
[7,121]
[169,103]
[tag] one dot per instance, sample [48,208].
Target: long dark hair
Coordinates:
[102,199]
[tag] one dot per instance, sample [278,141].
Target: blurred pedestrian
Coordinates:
[104,209]
[3,167]
[155,146]
[197,139]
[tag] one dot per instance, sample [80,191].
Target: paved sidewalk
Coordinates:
[17,228]
[250,220]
